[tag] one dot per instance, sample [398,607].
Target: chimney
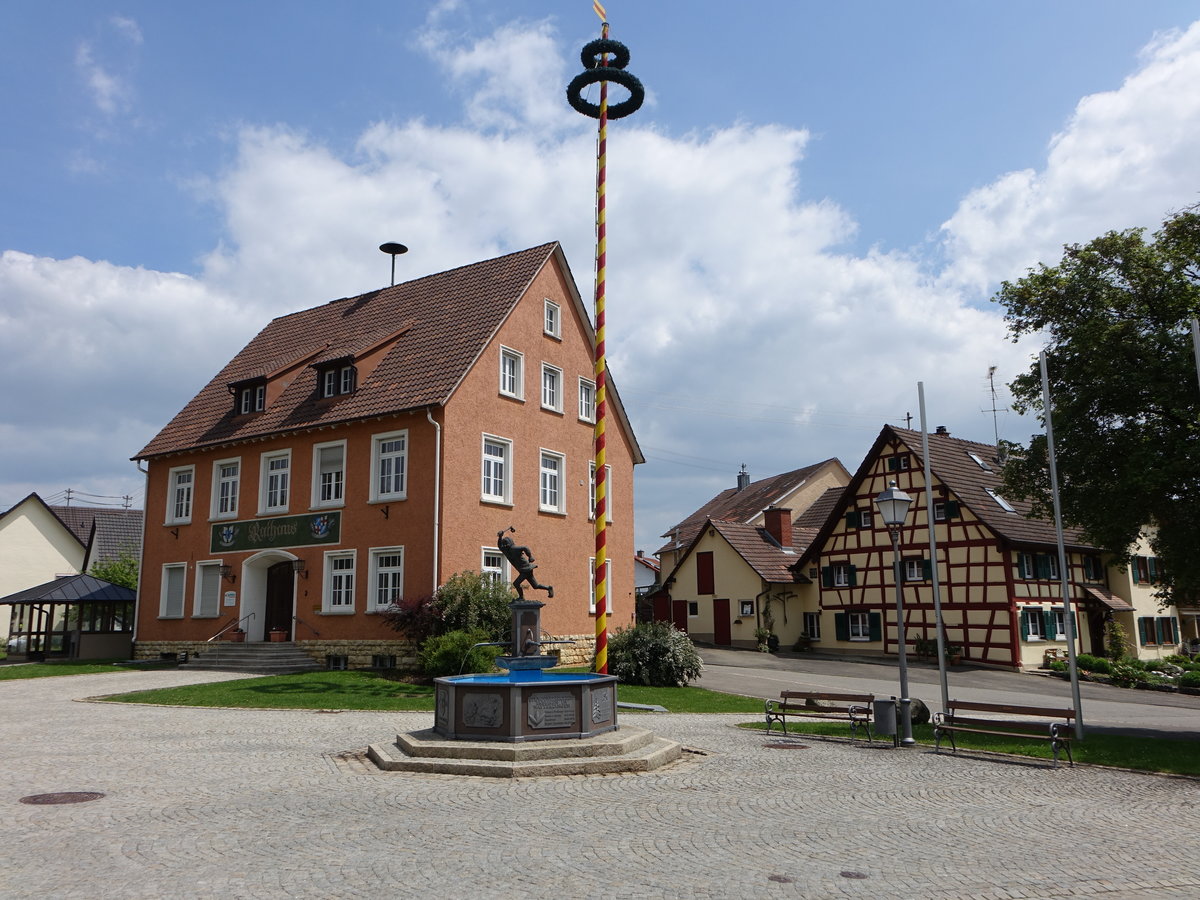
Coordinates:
[743,480]
[942,429]
[778,522]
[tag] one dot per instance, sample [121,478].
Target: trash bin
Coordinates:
[885,717]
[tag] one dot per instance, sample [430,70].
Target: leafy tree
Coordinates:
[1116,314]
[653,653]
[122,570]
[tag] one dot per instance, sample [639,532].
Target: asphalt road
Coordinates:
[1104,708]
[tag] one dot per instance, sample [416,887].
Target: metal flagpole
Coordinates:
[1068,619]
[937,591]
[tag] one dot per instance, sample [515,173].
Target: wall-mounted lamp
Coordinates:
[227,574]
[300,568]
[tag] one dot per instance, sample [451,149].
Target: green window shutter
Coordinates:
[1049,627]
[1174,630]
[1160,631]
[1143,637]
[1074,626]
[927,569]
[951,507]
[1133,567]
[852,519]
[875,624]
[827,576]
[1024,624]
[1022,569]
[841,627]
[1041,565]
[893,463]
[1152,567]
[852,575]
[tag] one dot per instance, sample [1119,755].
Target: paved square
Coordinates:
[254,804]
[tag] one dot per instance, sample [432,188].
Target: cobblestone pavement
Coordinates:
[261,804]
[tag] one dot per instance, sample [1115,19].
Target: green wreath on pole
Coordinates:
[614,70]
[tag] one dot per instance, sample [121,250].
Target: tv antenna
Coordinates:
[991,377]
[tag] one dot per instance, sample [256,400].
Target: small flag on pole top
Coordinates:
[600,11]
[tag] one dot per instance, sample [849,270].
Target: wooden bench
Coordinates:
[1037,722]
[857,708]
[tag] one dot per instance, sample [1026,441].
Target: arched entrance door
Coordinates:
[277,612]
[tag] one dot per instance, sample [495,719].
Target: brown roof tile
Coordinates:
[445,319]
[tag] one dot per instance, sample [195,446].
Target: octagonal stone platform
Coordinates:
[627,749]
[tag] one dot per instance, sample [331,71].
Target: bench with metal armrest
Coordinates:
[1036,722]
[855,708]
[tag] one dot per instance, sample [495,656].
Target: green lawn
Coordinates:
[367,689]
[70,667]
[1122,751]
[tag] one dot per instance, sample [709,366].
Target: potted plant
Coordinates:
[277,634]
[761,635]
[954,654]
[237,635]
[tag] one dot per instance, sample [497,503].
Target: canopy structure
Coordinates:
[75,616]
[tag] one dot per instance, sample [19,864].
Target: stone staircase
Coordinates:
[270,658]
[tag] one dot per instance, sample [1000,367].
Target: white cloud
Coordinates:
[742,327]
[107,68]
[1125,159]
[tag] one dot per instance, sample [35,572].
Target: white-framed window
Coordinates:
[551,494]
[552,381]
[860,626]
[915,570]
[812,625]
[170,602]
[939,511]
[252,398]
[553,319]
[179,497]
[493,565]
[339,582]
[387,577]
[389,466]
[227,478]
[841,575]
[608,492]
[329,474]
[340,380]
[745,608]
[587,400]
[1060,625]
[608,589]
[275,481]
[864,518]
[1035,623]
[208,590]
[693,609]
[512,373]
[497,469]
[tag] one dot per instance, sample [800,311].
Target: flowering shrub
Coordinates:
[653,653]
[1125,675]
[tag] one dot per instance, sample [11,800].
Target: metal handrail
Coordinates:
[229,626]
[300,621]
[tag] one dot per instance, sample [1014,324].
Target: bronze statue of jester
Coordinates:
[522,560]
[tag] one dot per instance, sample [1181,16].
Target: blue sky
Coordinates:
[806,180]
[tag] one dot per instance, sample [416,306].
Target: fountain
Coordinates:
[526,721]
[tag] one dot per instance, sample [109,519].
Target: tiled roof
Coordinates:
[814,517]
[115,530]
[758,550]
[732,505]
[951,461]
[450,318]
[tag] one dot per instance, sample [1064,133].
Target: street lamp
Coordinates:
[893,507]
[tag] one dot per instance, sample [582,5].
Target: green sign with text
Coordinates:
[286,531]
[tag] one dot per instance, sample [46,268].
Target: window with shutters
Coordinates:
[916,570]
[170,604]
[860,626]
[945,509]
[705,582]
[1033,624]
[208,590]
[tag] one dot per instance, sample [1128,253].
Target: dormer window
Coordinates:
[250,398]
[338,380]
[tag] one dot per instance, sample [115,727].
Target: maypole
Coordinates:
[600,68]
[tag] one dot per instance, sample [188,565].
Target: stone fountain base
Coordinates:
[629,749]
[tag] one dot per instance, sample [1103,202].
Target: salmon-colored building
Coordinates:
[369,448]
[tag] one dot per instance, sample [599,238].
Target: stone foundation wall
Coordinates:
[359,653]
